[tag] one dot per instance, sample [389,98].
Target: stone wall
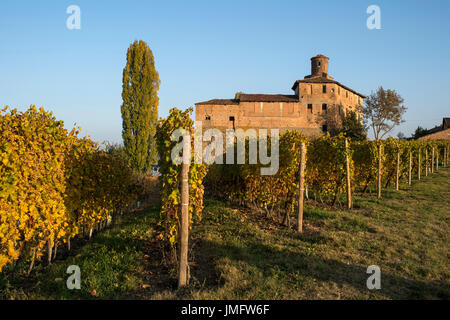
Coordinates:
[260,115]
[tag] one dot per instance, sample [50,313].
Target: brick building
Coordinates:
[318,104]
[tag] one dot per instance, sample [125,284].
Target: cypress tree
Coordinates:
[140,106]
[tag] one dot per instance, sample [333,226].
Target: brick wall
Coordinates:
[283,115]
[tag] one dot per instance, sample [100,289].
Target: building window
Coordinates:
[318,63]
[232,120]
[208,118]
[346,94]
[310,108]
[339,91]
[324,128]
[324,108]
[324,88]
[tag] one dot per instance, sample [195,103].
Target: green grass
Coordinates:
[237,253]
[112,264]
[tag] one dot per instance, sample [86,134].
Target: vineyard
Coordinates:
[323,168]
[56,186]
[376,164]
[331,166]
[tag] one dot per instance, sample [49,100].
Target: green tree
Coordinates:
[420,132]
[384,110]
[352,127]
[401,136]
[140,106]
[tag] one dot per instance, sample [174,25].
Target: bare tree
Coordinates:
[384,110]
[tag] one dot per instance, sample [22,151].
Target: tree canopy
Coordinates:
[352,127]
[420,132]
[383,111]
[140,85]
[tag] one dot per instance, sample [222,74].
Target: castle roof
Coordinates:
[244,97]
[220,101]
[320,56]
[267,98]
[325,80]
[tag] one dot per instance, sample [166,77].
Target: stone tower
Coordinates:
[319,66]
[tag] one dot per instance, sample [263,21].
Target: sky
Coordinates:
[213,49]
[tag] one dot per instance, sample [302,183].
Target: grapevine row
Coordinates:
[55,185]
[325,174]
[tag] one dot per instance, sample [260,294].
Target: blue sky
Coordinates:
[212,49]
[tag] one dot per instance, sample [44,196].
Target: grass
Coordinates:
[237,253]
[112,265]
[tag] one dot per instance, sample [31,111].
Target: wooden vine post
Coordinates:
[410,168]
[184,234]
[419,165]
[347,165]
[301,187]
[49,258]
[426,162]
[437,159]
[379,171]
[397,171]
[445,157]
[432,160]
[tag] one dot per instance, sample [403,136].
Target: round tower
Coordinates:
[319,66]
